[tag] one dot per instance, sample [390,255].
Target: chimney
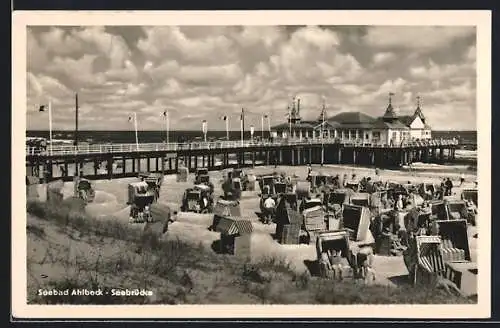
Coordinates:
[298,106]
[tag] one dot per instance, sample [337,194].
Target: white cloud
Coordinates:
[36,53]
[210,74]
[313,35]
[382,58]
[171,42]
[89,40]
[471,53]
[378,98]
[416,37]
[460,92]
[433,71]
[59,43]
[199,72]
[77,71]
[253,35]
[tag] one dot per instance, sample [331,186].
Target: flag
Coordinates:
[224,118]
[42,108]
[165,113]
[130,118]
[265,116]
[391,94]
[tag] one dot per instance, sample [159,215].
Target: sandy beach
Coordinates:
[110,203]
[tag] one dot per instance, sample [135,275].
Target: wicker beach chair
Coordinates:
[428,264]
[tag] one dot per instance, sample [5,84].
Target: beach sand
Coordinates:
[110,203]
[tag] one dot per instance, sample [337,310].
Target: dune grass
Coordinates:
[72,250]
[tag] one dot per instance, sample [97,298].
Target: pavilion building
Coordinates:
[358,127]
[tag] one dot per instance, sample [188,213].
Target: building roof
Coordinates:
[380,123]
[359,120]
[390,113]
[351,118]
[327,124]
[419,113]
[406,119]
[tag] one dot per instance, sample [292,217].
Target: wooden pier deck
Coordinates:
[167,158]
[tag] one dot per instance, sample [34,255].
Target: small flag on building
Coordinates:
[224,118]
[265,116]
[130,118]
[165,113]
[42,108]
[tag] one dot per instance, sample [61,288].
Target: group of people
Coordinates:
[359,260]
[331,264]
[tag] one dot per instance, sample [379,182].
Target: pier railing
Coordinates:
[152,147]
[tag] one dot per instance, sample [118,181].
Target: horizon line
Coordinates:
[246,130]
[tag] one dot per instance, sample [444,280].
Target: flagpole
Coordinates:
[241,127]
[168,124]
[136,136]
[323,134]
[262,126]
[290,121]
[77,165]
[76,121]
[50,125]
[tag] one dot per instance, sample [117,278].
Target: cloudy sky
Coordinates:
[204,72]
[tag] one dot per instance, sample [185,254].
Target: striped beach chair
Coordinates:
[430,263]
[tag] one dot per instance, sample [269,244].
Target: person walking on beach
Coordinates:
[269,205]
[369,185]
[399,203]
[448,186]
[442,189]
[309,170]
[344,180]
[63,171]
[462,179]
[336,182]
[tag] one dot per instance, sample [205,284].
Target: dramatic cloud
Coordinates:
[205,72]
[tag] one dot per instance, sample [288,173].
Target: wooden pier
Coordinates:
[167,158]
